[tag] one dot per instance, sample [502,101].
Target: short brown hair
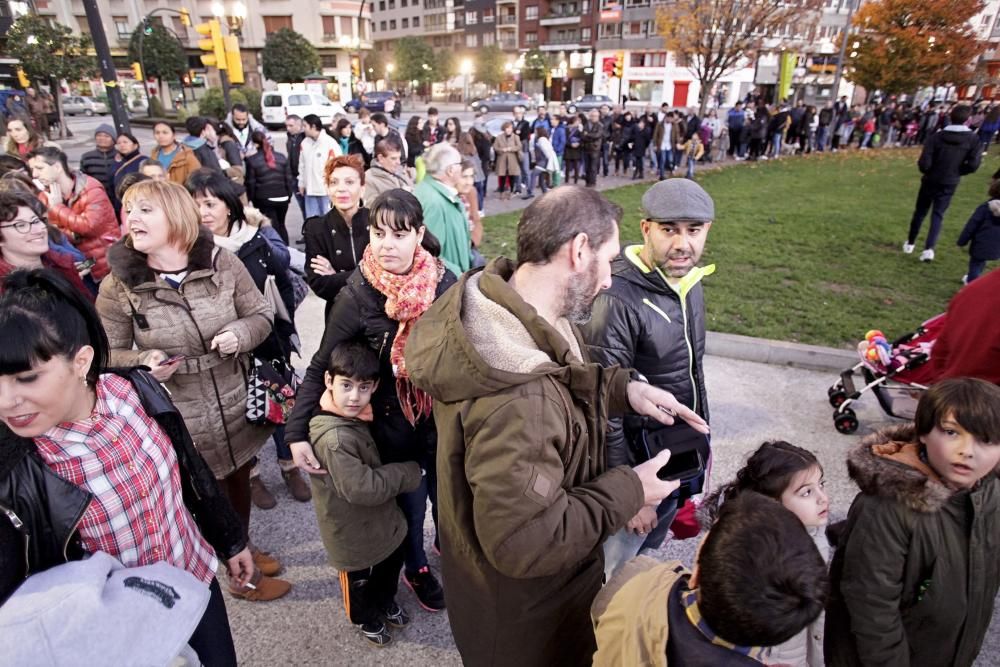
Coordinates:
[183,218]
[973,403]
[558,217]
[355,162]
[994,192]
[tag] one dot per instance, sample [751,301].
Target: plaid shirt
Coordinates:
[127,462]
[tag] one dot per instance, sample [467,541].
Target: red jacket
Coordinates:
[89,221]
[59,263]
[969,346]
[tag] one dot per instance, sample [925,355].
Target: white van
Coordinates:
[277,105]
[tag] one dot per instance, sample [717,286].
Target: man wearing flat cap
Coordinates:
[652,319]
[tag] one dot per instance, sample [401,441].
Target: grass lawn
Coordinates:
[808,249]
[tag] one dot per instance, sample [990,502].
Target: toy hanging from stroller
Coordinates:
[896,373]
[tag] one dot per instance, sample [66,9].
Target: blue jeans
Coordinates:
[821,133]
[690,171]
[282,448]
[976,267]
[317,205]
[665,161]
[933,198]
[300,198]
[624,545]
[481,193]
[776,144]
[605,154]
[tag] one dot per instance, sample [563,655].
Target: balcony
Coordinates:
[507,20]
[506,2]
[561,16]
[562,44]
[507,44]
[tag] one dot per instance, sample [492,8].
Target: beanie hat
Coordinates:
[106,129]
[678,199]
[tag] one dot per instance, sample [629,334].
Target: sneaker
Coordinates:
[396,616]
[927,255]
[261,495]
[965,279]
[376,633]
[908,248]
[425,586]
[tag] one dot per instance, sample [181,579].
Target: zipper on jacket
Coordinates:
[76,523]
[687,341]
[385,339]
[19,526]
[354,253]
[657,309]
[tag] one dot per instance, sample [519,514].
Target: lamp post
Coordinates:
[388,75]
[843,47]
[466,69]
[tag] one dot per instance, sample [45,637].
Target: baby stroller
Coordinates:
[896,373]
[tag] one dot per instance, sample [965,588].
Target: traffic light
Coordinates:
[137,71]
[216,50]
[356,67]
[22,78]
[619,65]
[233,59]
[185,18]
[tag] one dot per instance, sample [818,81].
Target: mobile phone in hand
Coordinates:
[682,466]
[177,358]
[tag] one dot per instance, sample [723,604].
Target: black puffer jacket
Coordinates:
[264,182]
[641,323]
[344,246]
[949,154]
[102,166]
[359,314]
[46,509]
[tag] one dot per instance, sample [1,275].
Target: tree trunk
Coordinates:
[706,91]
[56,92]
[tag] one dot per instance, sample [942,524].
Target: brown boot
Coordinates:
[260,494]
[297,486]
[265,562]
[261,589]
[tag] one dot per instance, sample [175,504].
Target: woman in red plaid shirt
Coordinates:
[101,461]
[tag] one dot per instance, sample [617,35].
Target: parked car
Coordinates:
[277,105]
[588,102]
[77,104]
[353,105]
[502,102]
[375,100]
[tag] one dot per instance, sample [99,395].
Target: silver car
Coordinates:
[74,105]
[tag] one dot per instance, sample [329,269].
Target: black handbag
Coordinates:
[271,386]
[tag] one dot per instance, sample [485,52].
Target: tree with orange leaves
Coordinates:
[716,37]
[901,45]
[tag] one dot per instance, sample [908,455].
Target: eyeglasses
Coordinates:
[23,226]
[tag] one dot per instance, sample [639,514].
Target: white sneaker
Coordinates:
[965,279]
[482,214]
[927,255]
[907,248]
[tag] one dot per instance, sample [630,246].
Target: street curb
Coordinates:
[781,353]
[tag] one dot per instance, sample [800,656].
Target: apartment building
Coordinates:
[507,25]
[340,30]
[564,31]
[439,22]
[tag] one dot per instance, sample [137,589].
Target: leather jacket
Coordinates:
[46,509]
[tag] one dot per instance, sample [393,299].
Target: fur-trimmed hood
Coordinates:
[129,265]
[888,464]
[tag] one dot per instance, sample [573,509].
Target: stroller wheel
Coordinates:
[845,421]
[837,397]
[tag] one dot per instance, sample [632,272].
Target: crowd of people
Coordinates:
[551,408]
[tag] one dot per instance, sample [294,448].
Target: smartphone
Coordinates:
[682,466]
[173,360]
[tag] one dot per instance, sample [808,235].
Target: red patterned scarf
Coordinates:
[408,296]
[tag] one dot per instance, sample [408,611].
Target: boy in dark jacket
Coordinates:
[642,134]
[915,572]
[947,156]
[982,234]
[758,581]
[361,525]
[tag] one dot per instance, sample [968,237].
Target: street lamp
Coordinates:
[466,70]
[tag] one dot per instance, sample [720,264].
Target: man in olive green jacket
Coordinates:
[525,501]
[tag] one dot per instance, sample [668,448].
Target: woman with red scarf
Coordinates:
[397,280]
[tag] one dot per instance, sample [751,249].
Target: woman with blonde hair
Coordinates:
[191,312]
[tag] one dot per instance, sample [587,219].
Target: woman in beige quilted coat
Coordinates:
[191,312]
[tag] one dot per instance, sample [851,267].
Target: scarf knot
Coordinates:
[407,297]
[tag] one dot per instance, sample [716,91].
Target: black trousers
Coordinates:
[591,162]
[212,639]
[369,592]
[935,198]
[276,212]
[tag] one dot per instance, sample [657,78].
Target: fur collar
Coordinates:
[883,466]
[129,265]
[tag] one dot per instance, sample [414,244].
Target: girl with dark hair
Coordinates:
[22,138]
[792,476]
[245,232]
[192,313]
[452,131]
[228,147]
[414,140]
[127,161]
[269,182]
[396,281]
[349,144]
[178,160]
[98,460]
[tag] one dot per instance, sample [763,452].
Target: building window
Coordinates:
[276,23]
[585,7]
[416,21]
[488,15]
[531,13]
[531,38]
[472,40]
[609,31]
[121,27]
[406,23]
[392,4]
[329,27]
[585,34]
[381,6]
[381,26]
[328,61]
[81,23]
[392,24]
[402,3]
[471,18]
[489,39]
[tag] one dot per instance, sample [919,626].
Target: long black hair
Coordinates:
[43,316]
[401,211]
[214,183]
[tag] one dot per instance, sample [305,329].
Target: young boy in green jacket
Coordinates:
[361,525]
[916,571]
